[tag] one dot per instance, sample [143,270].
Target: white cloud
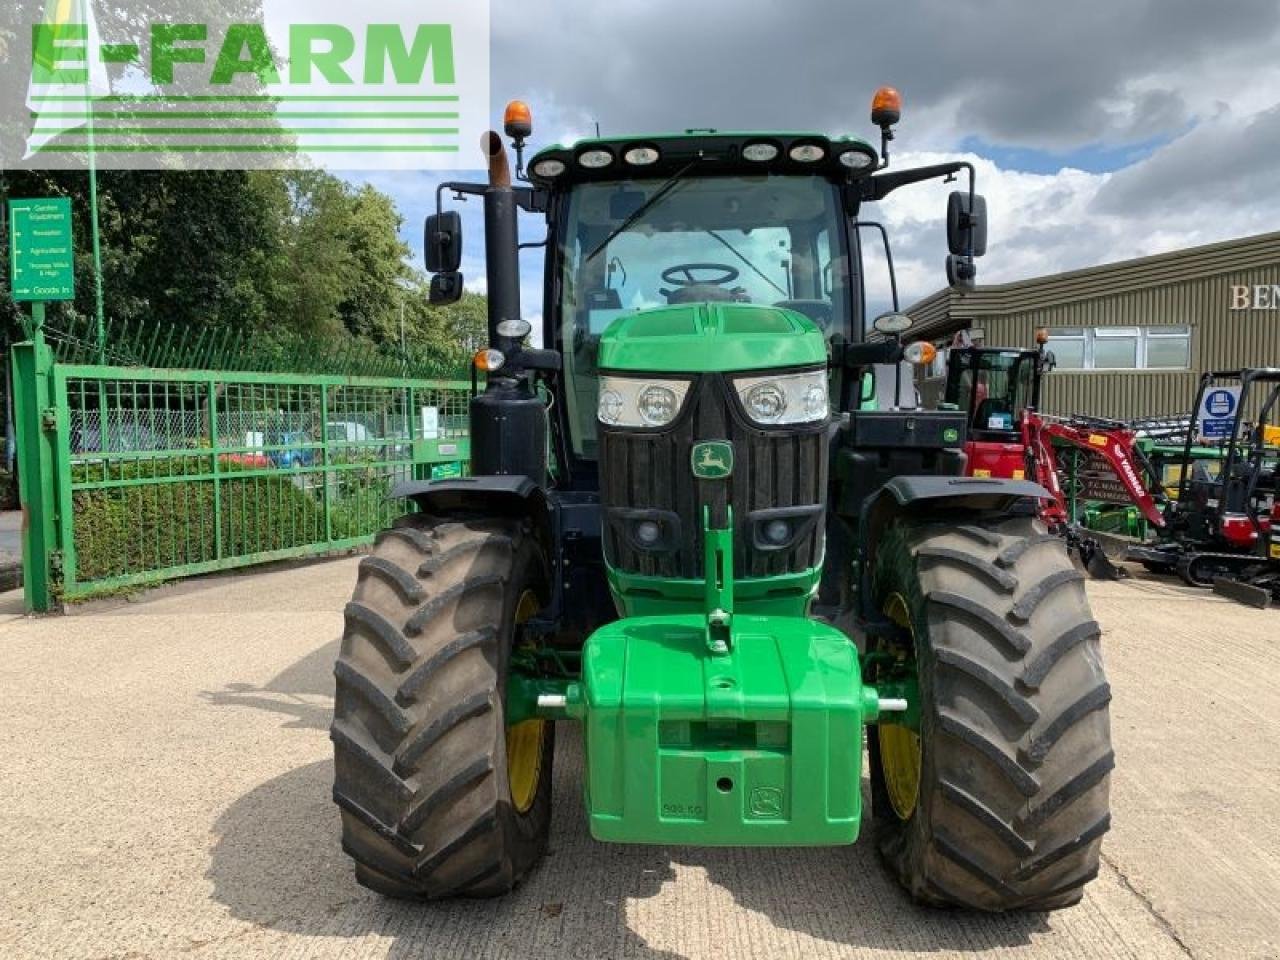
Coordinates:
[1216,182]
[1024,75]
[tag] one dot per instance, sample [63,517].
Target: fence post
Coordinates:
[326,455]
[36,420]
[215,445]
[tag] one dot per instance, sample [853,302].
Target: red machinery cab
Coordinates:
[996,387]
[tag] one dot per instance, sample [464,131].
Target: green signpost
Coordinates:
[42,259]
[41,269]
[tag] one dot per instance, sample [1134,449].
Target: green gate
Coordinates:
[132,475]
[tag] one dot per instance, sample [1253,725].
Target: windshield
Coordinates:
[637,244]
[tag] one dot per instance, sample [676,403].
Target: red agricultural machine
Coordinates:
[1221,528]
[1009,438]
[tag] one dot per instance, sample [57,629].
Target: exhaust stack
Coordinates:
[508,420]
[501,243]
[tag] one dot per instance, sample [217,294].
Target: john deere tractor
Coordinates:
[682,532]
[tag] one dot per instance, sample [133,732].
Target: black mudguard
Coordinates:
[950,499]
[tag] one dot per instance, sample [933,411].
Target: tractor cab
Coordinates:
[753,227]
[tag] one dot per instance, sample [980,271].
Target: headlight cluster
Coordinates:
[640,403]
[791,398]
[775,400]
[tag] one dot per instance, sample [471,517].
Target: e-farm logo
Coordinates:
[404,84]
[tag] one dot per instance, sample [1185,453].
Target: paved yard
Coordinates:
[165,793]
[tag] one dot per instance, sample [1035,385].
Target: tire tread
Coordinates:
[1014,789]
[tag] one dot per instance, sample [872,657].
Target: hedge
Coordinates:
[130,529]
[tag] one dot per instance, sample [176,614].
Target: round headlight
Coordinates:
[806,153]
[595,159]
[641,156]
[777,531]
[610,406]
[766,402]
[759,152]
[516,329]
[548,168]
[856,159]
[814,402]
[648,532]
[658,406]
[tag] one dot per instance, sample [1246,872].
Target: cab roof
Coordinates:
[709,151]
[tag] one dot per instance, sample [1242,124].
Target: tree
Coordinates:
[449,336]
[277,255]
[379,253]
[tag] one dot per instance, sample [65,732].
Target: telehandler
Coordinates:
[681,531]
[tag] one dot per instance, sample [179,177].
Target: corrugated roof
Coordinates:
[948,309]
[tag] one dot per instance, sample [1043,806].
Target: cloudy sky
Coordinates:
[1102,129]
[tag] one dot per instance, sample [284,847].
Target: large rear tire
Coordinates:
[1001,800]
[438,796]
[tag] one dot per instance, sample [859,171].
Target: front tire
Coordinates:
[1001,801]
[424,763]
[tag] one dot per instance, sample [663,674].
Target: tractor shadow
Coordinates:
[277,864]
[303,692]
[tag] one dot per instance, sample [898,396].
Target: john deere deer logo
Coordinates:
[712,460]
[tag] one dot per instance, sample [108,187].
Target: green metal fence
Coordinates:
[148,474]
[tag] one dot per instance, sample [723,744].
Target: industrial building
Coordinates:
[1131,338]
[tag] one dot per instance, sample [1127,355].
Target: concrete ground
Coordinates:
[10,549]
[11,533]
[166,794]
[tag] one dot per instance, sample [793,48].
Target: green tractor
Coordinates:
[682,531]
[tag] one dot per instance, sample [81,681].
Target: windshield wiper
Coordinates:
[760,273]
[641,210]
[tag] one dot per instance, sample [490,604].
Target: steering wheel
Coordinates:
[682,274]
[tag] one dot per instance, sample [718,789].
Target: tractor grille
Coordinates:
[648,470]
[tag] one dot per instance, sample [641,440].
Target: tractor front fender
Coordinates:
[945,496]
[488,496]
[947,493]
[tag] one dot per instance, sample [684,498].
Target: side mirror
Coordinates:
[442,241]
[964,222]
[961,272]
[1049,362]
[446,288]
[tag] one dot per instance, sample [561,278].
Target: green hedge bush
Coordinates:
[130,529]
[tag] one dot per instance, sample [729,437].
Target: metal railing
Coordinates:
[147,475]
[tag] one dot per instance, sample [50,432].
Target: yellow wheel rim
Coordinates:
[900,756]
[524,740]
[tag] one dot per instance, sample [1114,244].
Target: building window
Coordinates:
[1121,348]
[1168,348]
